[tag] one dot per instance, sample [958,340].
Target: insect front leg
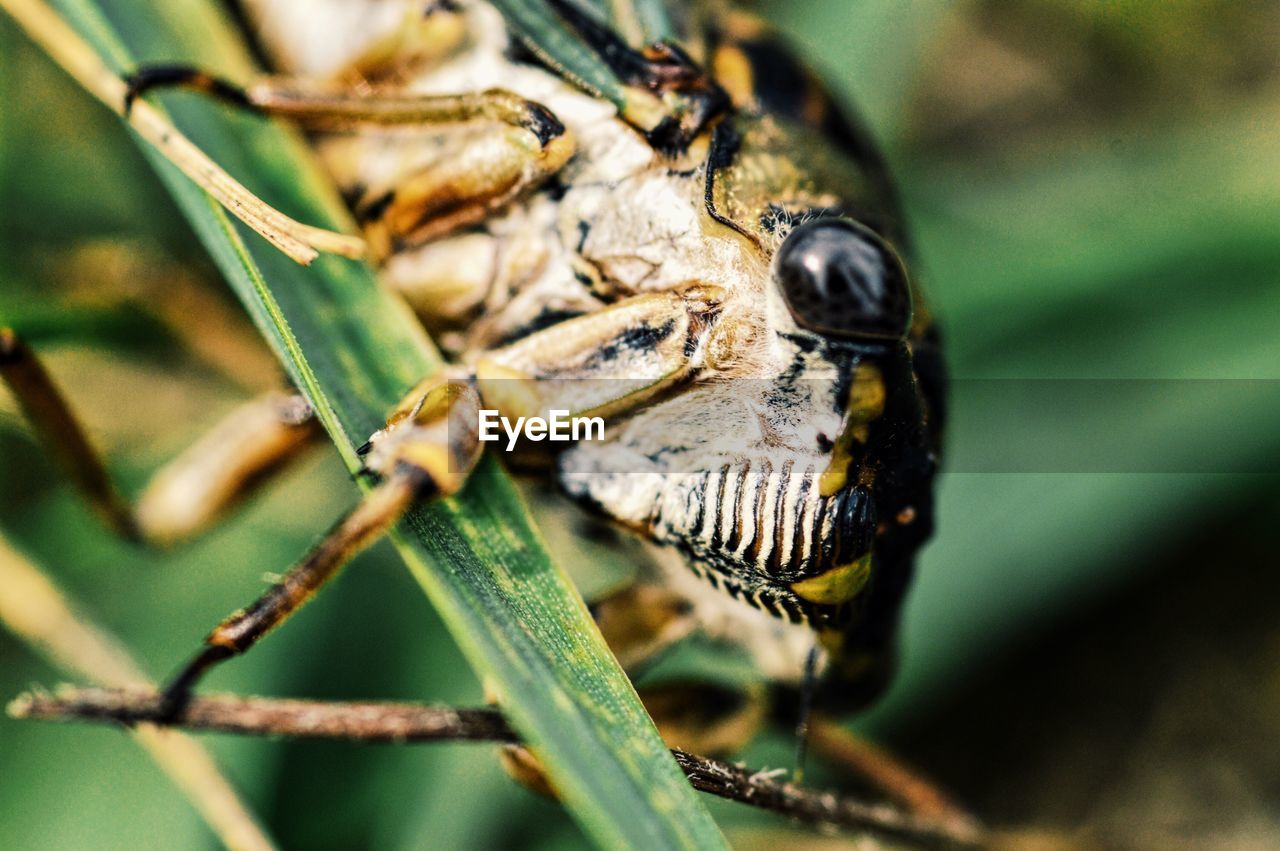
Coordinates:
[427,451]
[431,441]
[605,363]
[190,492]
[467,176]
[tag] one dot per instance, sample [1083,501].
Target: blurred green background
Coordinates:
[1094,188]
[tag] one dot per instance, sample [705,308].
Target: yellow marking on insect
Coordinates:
[832,641]
[734,74]
[744,26]
[642,109]
[866,405]
[838,585]
[435,462]
[512,391]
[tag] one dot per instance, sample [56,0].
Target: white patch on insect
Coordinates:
[648,235]
[317,38]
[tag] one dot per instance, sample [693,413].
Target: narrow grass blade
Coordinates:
[545,33]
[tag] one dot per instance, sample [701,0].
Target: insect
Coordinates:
[661,220]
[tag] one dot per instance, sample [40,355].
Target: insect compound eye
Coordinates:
[841,279]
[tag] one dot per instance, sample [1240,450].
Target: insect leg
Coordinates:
[603,363]
[132,275]
[326,106]
[643,621]
[468,179]
[697,717]
[256,439]
[57,427]
[806,712]
[447,280]
[427,451]
[706,717]
[187,494]
[237,633]
[886,772]
[431,440]
[640,621]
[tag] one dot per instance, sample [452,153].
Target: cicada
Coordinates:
[650,214]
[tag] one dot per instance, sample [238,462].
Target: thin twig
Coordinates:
[299,241]
[257,716]
[817,807]
[394,722]
[33,609]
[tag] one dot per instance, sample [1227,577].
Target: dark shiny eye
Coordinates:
[841,279]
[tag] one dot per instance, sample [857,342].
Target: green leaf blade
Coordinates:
[546,34]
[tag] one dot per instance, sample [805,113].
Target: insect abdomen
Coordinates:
[764,524]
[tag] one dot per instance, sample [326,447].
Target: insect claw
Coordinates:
[150,77]
[131,92]
[364,449]
[807,688]
[177,694]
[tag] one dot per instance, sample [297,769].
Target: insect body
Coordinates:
[737,303]
[684,238]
